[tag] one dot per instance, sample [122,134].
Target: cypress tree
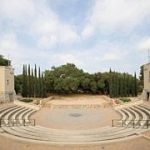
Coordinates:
[110,84]
[44,86]
[121,86]
[35,82]
[32,83]
[24,86]
[39,83]
[117,85]
[132,87]
[29,82]
[125,85]
[135,85]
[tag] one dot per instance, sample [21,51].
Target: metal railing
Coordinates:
[131,123]
[17,122]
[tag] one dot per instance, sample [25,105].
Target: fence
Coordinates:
[17,122]
[131,123]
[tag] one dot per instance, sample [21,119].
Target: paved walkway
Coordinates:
[134,144]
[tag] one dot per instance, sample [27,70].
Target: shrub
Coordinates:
[26,100]
[125,100]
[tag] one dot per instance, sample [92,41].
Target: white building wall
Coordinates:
[7,92]
[146,91]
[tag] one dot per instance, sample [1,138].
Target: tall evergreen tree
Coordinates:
[32,83]
[135,85]
[24,85]
[39,82]
[142,74]
[43,88]
[35,82]
[29,82]
[110,83]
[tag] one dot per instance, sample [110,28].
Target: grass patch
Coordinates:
[125,100]
[26,100]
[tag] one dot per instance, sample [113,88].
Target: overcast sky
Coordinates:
[93,34]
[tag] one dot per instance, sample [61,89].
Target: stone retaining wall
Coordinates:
[82,106]
[129,104]
[32,106]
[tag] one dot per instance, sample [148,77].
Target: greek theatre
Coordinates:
[7,92]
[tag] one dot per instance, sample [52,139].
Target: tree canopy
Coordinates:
[68,79]
[4,61]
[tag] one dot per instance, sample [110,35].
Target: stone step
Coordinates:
[71,138]
[130,116]
[42,134]
[141,113]
[16,115]
[9,109]
[136,115]
[144,110]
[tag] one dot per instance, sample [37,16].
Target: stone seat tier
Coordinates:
[143,114]
[9,109]
[42,134]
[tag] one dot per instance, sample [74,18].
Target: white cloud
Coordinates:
[111,56]
[92,59]
[19,54]
[116,53]
[116,15]
[144,44]
[8,41]
[88,31]
[38,20]
[68,57]
[34,19]
[18,11]
[51,31]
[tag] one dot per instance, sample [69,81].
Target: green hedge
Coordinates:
[26,100]
[125,100]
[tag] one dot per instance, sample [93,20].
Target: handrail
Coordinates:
[131,123]
[17,122]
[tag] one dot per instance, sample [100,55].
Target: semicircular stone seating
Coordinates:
[129,116]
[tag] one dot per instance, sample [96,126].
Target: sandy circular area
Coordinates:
[79,112]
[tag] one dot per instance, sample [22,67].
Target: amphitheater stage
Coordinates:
[77,113]
[75,118]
